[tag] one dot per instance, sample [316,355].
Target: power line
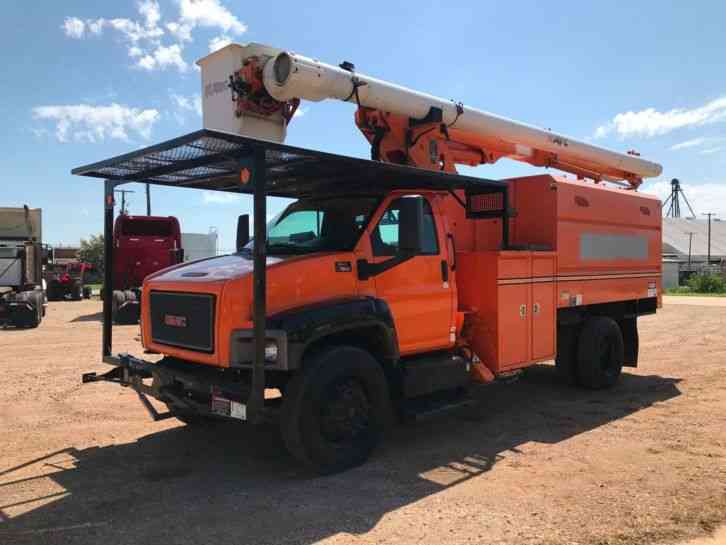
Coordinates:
[123,198]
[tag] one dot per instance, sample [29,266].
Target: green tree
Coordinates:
[92,252]
[707,283]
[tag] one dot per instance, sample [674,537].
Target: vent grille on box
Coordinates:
[487,204]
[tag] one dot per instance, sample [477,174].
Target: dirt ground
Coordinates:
[536,462]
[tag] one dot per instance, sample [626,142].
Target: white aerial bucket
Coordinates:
[218,106]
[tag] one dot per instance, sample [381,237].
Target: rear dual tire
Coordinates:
[600,353]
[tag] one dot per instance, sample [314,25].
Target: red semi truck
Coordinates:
[66,280]
[143,245]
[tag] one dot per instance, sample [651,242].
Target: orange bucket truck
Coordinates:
[390,287]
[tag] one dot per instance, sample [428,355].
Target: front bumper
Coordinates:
[14,308]
[186,388]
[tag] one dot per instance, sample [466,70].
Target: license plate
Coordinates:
[227,407]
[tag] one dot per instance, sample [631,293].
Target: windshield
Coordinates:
[323,225]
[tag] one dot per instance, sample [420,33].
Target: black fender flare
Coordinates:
[309,325]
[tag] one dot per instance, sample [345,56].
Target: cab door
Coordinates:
[418,291]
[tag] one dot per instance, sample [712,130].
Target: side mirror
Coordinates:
[243,231]
[410,225]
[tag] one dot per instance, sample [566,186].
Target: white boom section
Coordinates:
[287,75]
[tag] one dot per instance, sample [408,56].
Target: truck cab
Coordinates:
[333,251]
[144,245]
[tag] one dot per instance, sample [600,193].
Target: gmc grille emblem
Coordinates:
[175,321]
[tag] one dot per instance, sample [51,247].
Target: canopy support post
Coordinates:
[259,281]
[108,203]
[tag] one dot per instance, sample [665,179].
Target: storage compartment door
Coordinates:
[543,320]
[514,325]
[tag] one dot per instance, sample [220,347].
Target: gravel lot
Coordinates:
[535,462]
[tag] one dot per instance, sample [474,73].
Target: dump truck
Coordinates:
[143,245]
[391,288]
[22,299]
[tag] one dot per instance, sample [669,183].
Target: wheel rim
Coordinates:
[345,413]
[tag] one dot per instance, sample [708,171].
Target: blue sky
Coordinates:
[83,81]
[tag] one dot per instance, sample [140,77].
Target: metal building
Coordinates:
[200,245]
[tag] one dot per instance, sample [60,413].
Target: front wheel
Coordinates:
[335,410]
[600,353]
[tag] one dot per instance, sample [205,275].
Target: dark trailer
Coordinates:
[217,161]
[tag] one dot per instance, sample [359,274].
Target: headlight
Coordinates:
[271,351]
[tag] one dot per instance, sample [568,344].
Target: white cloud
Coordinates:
[651,122]
[74,27]
[209,13]
[689,144]
[95,26]
[151,12]
[220,197]
[145,36]
[183,32]
[164,57]
[218,42]
[191,103]
[707,144]
[133,31]
[88,123]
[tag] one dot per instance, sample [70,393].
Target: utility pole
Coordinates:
[690,240]
[148,200]
[123,198]
[709,214]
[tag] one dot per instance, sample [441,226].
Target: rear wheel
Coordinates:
[334,411]
[600,353]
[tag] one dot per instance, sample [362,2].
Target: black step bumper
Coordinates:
[184,387]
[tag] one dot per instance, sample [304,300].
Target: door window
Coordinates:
[385,236]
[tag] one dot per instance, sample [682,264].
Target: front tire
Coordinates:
[600,353]
[335,410]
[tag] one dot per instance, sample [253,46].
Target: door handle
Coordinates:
[522,311]
[535,308]
[444,271]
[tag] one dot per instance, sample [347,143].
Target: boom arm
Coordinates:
[410,127]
